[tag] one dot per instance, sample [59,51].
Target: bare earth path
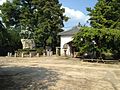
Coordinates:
[57,73]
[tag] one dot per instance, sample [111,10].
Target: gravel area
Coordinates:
[57,73]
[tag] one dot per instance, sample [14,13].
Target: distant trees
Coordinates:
[42,17]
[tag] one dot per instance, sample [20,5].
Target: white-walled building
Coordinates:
[66,41]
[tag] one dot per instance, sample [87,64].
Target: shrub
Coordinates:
[40,50]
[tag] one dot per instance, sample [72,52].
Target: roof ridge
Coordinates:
[72,28]
[71,31]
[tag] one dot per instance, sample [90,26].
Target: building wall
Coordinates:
[64,40]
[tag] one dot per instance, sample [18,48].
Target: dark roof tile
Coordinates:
[70,32]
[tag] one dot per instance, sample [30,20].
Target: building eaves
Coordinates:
[70,32]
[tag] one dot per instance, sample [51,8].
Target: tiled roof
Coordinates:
[70,32]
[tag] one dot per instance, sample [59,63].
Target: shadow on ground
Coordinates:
[28,78]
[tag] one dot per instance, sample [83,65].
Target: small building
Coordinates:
[66,47]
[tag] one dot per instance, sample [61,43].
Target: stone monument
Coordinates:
[28,43]
[27,39]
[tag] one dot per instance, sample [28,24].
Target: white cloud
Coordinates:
[73,13]
[75,16]
[2,1]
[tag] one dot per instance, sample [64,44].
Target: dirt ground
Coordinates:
[57,73]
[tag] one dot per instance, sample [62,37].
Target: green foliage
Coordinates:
[9,40]
[105,14]
[10,14]
[105,22]
[42,17]
[40,50]
[26,34]
[27,51]
[99,40]
[4,40]
[14,39]
[50,23]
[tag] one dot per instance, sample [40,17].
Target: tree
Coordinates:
[44,18]
[3,38]
[50,22]
[98,40]
[9,40]
[9,14]
[104,35]
[105,14]
[14,39]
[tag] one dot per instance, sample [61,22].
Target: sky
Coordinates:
[1,1]
[75,10]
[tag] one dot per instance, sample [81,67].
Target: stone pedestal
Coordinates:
[49,53]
